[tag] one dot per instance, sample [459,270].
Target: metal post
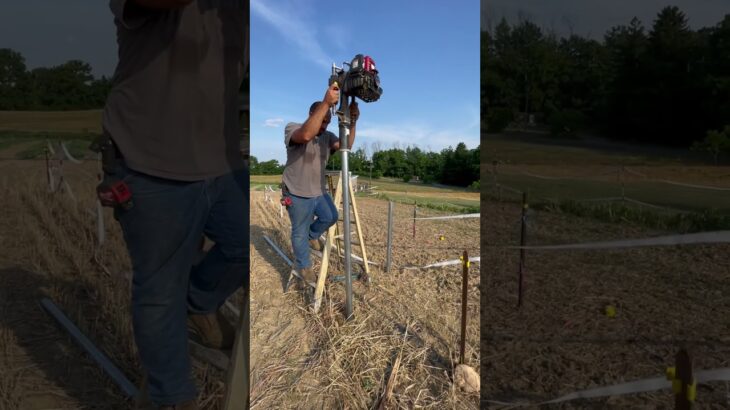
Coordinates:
[464,291]
[390,237]
[415,208]
[48,169]
[623,183]
[683,397]
[523,238]
[344,124]
[494,180]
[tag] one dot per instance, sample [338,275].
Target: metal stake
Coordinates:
[389,252]
[523,239]
[464,289]
[343,116]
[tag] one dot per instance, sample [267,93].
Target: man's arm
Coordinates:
[354,115]
[311,127]
[133,13]
[161,4]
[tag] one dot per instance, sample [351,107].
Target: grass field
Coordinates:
[445,198]
[24,134]
[88,121]
[563,171]
[560,340]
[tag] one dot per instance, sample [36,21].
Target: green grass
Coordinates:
[425,196]
[33,128]
[682,222]
[84,122]
[523,148]
[450,205]
[76,143]
[265,179]
[656,193]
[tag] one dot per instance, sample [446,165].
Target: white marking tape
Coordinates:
[634,201]
[688,239]
[515,190]
[637,173]
[452,216]
[68,154]
[609,199]
[634,172]
[638,386]
[714,188]
[529,174]
[444,263]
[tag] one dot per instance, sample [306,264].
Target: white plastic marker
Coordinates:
[638,386]
[50,148]
[68,154]
[452,216]
[670,240]
[444,263]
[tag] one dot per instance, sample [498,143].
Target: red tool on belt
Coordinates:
[285,198]
[112,191]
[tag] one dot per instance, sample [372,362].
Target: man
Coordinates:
[173,119]
[308,146]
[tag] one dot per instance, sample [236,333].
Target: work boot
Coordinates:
[316,244]
[308,276]
[188,405]
[212,330]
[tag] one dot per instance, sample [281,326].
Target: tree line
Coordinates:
[69,86]
[452,166]
[667,84]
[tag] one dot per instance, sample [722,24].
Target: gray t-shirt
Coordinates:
[305,163]
[174,107]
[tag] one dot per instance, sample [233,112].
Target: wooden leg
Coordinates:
[319,290]
[237,392]
[359,232]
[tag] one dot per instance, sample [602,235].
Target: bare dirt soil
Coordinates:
[561,340]
[303,360]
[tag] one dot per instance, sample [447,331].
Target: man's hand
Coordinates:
[162,4]
[332,95]
[354,111]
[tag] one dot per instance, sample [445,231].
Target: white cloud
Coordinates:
[273,122]
[425,137]
[295,30]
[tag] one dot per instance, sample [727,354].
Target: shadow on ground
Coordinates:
[42,345]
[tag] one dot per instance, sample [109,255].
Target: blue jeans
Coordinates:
[304,227]
[163,232]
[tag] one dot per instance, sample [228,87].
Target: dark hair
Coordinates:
[314,106]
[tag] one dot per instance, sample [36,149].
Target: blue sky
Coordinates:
[427,53]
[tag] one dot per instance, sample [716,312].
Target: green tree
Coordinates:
[715,143]
[13,79]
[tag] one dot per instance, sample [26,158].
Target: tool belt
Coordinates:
[112,191]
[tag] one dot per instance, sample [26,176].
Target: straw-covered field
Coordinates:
[406,327]
[563,339]
[48,243]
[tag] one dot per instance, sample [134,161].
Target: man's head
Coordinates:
[327,118]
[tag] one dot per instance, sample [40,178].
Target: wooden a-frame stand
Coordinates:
[333,235]
[237,386]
